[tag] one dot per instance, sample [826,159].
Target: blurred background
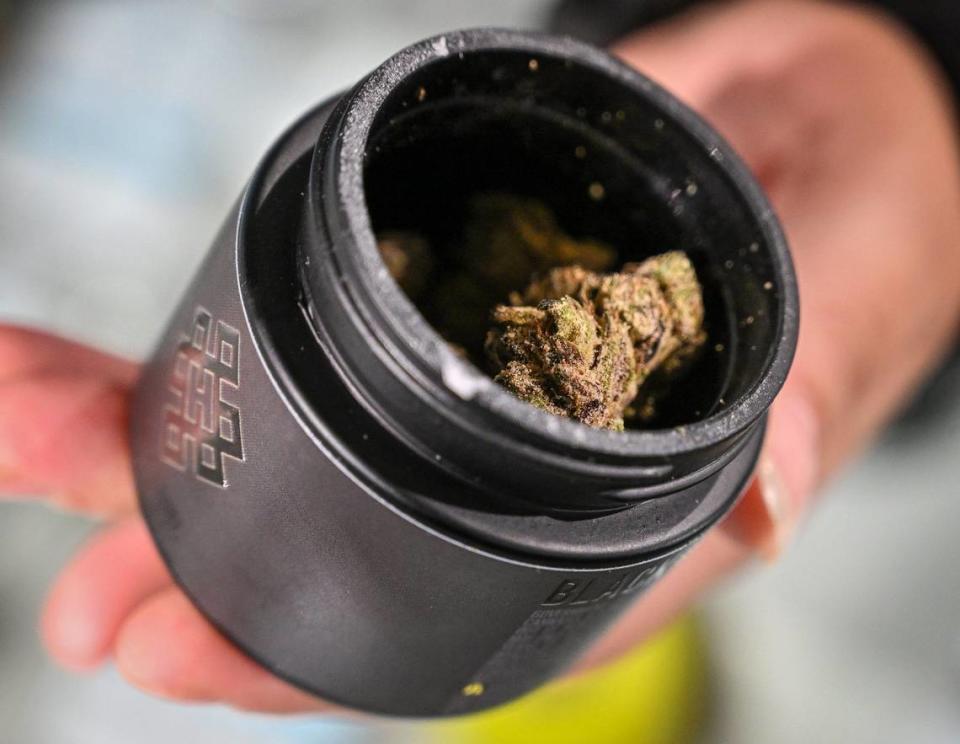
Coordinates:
[127,129]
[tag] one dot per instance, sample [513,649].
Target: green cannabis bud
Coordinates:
[580,344]
[577,342]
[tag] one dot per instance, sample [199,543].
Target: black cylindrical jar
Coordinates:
[356,506]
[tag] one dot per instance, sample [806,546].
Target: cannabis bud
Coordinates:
[580,344]
[576,342]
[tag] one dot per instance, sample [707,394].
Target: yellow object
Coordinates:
[654,695]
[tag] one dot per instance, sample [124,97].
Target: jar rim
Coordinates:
[347,214]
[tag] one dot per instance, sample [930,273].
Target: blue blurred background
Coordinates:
[127,129]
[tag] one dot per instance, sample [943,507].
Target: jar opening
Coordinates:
[608,164]
[495,110]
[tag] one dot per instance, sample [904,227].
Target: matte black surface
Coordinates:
[364,513]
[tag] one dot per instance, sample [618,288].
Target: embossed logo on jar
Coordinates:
[588,591]
[201,425]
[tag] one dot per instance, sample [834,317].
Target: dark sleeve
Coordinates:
[936,22]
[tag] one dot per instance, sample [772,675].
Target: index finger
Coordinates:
[63,422]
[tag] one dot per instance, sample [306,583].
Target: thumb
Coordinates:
[787,474]
[723,62]
[726,65]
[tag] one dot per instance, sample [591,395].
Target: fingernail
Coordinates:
[776,504]
[73,643]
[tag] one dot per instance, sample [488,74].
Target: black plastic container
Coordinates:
[362,511]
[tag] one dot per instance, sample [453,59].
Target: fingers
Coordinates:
[64,435]
[63,420]
[767,515]
[168,649]
[102,586]
[25,352]
[117,597]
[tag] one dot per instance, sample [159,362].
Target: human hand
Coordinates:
[848,125]
[63,437]
[868,192]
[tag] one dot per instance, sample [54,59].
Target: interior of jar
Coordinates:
[610,165]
